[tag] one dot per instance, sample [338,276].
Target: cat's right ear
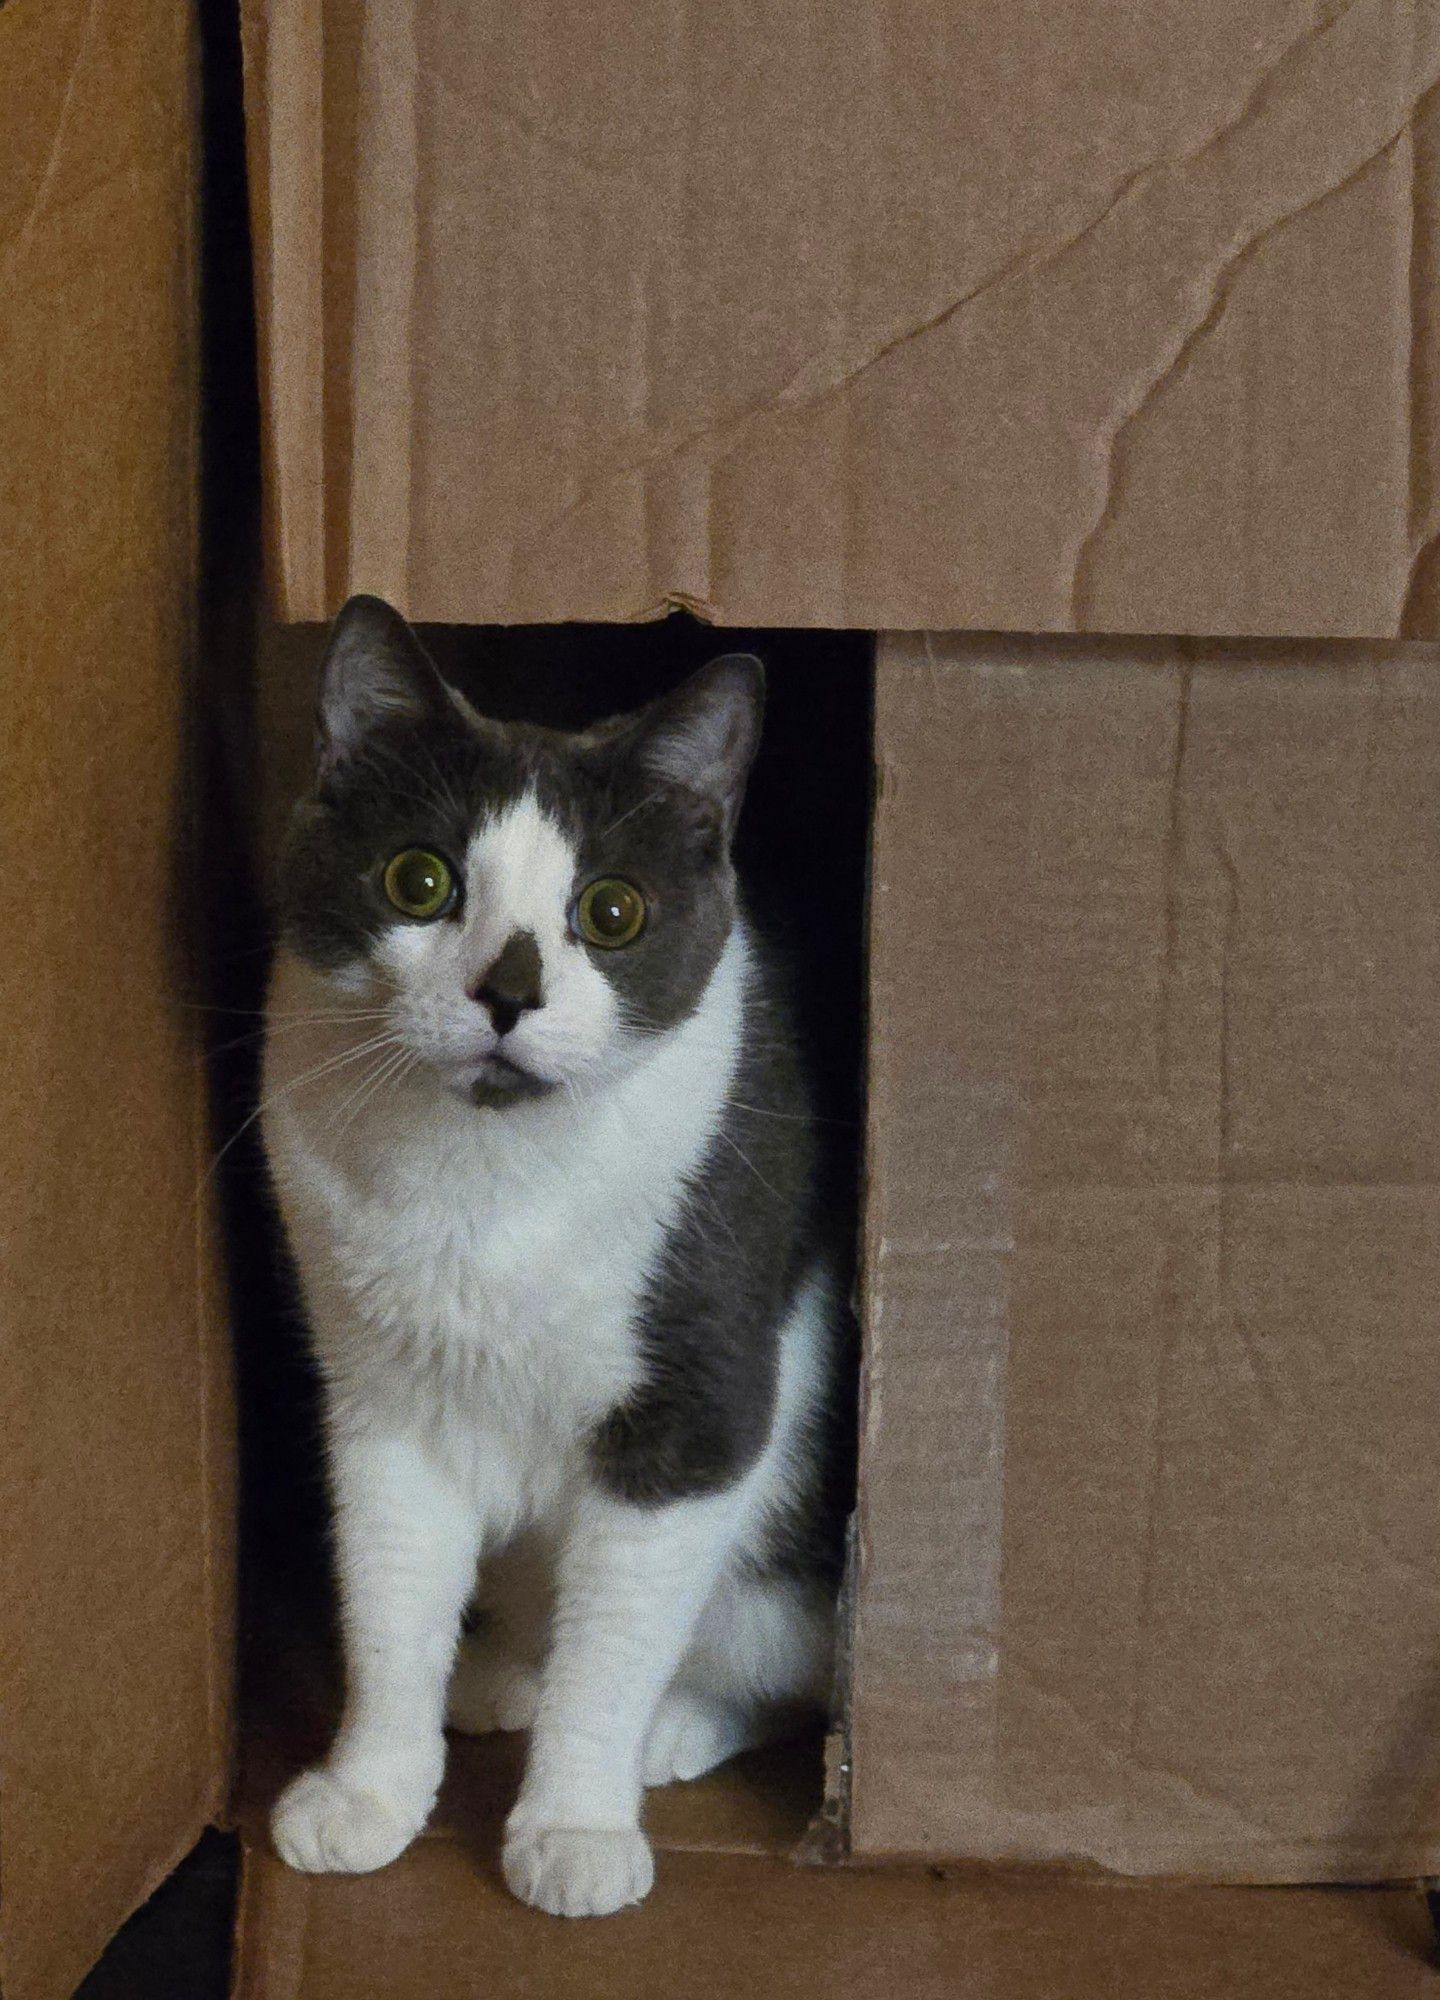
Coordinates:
[375,671]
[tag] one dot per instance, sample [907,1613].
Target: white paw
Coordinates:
[690,1736]
[324,1825]
[578,1871]
[491,1688]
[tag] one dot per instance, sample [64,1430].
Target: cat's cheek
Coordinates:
[355,980]
[578,1026]
[420,967]
[407,953]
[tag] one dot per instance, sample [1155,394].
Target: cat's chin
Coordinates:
[495,1082]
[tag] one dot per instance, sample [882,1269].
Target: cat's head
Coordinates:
[527,906]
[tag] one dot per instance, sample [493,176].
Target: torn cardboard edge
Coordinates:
[827,1838]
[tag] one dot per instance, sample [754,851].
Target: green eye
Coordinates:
[610,913]
[420,884]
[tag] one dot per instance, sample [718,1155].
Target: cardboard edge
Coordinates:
[283,63]
[124,1906]
[216,1424]
[218,1493]
[826,1841]
[4,1977]
[873,1183]
[272,1914]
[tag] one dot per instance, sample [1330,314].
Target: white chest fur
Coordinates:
[482,1268]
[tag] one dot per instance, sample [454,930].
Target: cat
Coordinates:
[537,1121]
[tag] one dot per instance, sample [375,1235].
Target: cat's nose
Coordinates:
[511,987]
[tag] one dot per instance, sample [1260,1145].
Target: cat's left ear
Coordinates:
[375,671]
[704,736]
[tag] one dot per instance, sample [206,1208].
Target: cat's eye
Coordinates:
[610,913]
[420,883]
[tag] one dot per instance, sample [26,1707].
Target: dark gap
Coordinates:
[177,1945]
[803,853]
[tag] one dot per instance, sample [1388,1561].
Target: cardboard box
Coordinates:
[1150,1573]
[1128,323]
[116,1437]
[1092,317]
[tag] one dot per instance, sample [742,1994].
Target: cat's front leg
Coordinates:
[630,1586]
[406,1546]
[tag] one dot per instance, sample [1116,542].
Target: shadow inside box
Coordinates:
[1377,1943]
[1409,1921]
[763,1929]
[178,1945]
[760,1803]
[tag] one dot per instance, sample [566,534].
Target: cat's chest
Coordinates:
[513,1276]
[480,1262]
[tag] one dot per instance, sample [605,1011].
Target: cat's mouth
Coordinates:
[497,1081]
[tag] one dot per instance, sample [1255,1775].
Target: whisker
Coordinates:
[631,812]
[325,1068]
[238,1042]
[384,1068]
[293,1025]
[700,1194]
[721,1133]
[437,796]
[289,1013]
[790,1117]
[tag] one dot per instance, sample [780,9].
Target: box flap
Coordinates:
[733,1927]
[1149,1529]
[733,1917]
[114,1431]
[1096,318]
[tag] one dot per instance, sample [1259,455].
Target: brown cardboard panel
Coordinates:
[1091,318]
[747,1928]
[1150,1542]
[113,1584]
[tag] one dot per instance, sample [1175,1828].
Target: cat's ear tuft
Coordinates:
[375,671]
[704,736]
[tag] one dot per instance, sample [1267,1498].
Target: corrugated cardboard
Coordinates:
[1006,315]
[732,1915]
[1150,1554]
[736,1927]
[114,1593]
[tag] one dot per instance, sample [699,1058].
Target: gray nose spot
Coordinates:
[511,987]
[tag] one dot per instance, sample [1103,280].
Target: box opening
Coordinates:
[803,851]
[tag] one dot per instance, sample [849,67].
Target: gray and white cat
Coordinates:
[536,1118]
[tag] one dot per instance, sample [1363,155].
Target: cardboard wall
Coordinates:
[1004,315]
[753,1928]
[1150,1555]
[114,1426]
